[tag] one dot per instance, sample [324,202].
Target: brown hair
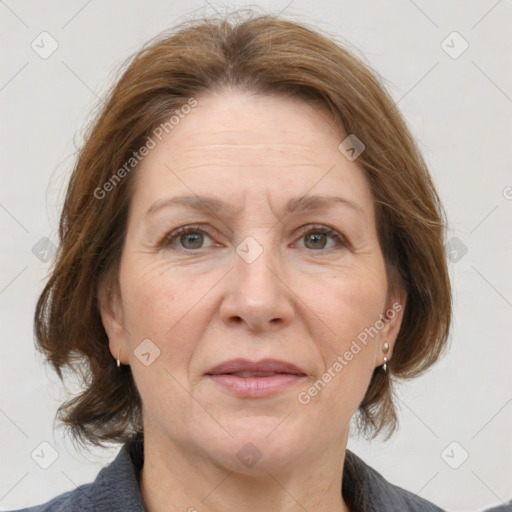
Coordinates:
[264,55]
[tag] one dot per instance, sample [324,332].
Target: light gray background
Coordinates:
[458,108]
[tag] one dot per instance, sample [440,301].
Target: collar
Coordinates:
[116,488]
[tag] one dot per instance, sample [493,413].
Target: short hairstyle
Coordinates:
[263,55]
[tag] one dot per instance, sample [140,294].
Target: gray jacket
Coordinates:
[116,489]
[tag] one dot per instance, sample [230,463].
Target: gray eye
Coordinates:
[315,240]
[192,240]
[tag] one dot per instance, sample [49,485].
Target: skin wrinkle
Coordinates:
[294,205]
[202,307]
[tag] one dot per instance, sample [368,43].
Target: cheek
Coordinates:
[348,355]
[168,307]
[354,303]
[149,309]
[352,307]
[157,307]
[153,300]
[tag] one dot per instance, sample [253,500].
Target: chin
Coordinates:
[259,445]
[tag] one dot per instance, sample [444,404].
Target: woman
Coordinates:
[251,254]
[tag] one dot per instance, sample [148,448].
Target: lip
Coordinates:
[262,366]
[256,379]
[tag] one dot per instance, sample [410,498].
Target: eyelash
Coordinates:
[314,228]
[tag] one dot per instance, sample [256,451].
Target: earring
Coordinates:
[385,349]
[118,361]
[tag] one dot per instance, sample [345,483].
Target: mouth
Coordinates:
[258,379]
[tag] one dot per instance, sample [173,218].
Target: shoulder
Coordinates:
[367,487]
[115,489]
[72,501]
[504,507]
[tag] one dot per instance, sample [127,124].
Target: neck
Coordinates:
[177,478]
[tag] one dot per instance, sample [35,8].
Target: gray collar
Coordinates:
[116,488]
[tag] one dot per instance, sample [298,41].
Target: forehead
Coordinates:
[238,144]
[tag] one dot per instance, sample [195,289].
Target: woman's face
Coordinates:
[251,240]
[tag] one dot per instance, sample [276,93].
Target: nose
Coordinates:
[257,293]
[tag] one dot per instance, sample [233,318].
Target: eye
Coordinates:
[187,237]
[317,237]
[192,238]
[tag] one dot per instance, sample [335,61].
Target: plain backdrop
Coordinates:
[446,64]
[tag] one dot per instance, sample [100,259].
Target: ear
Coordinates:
[111,312]
[392,320]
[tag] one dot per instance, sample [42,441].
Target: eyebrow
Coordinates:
[211,204]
